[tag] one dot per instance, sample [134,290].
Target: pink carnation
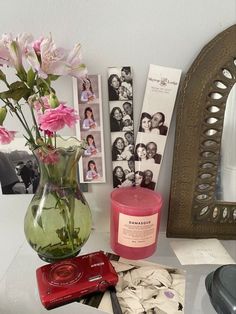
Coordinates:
[55,119]
[47,132]
[42,103]
[6,136]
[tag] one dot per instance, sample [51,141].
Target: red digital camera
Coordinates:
[73,278]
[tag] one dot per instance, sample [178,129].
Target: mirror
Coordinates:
[226,178]
[203,187]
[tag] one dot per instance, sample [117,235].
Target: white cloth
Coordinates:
[147,288]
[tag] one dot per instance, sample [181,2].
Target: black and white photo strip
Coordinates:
[161,89]
[120,93]
[88,102]
[150,143]
[148,153]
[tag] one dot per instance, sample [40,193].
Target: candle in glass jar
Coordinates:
[134,221]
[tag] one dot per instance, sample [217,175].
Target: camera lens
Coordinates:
[64,274]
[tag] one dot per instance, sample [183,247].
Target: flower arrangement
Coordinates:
[58,219]
[37,64]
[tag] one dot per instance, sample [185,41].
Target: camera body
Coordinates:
[71,279]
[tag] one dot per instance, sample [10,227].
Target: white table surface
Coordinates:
[18,262]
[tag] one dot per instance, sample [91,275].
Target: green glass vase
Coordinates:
[58,220]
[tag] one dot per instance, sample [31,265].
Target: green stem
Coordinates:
[55,140]
[21,119]
[46,83]
[72,210]
[25,124]
[7,84]
[64,206]
[35,123]
[67,217]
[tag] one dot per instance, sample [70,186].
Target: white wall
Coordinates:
[120,32]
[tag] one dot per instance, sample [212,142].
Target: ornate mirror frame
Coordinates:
[194,211]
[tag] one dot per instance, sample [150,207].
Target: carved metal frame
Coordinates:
[194,211]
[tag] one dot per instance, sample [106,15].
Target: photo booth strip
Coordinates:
[120,97]
[88,103]
[159,99]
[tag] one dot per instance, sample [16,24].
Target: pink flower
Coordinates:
[47,132]
[32,54]
[12,49]
[45,58]
[32,58]
[53,59]
[6,136]
[76,67]
[36,45]
[42,103]
[4,56]
[55,119]
[49,157]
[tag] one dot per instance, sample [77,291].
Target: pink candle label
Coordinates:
[137,231]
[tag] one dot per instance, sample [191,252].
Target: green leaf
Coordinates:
[42,84]
[16,93]
[22,75]
[3,113]
[53,77]
[30,77]
[27,139]
[17,84]
[17,90]
[19,93]
[5,94]
[2,76]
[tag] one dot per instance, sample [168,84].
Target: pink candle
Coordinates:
[134,221]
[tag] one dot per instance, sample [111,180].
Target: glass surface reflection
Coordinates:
[226,179]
